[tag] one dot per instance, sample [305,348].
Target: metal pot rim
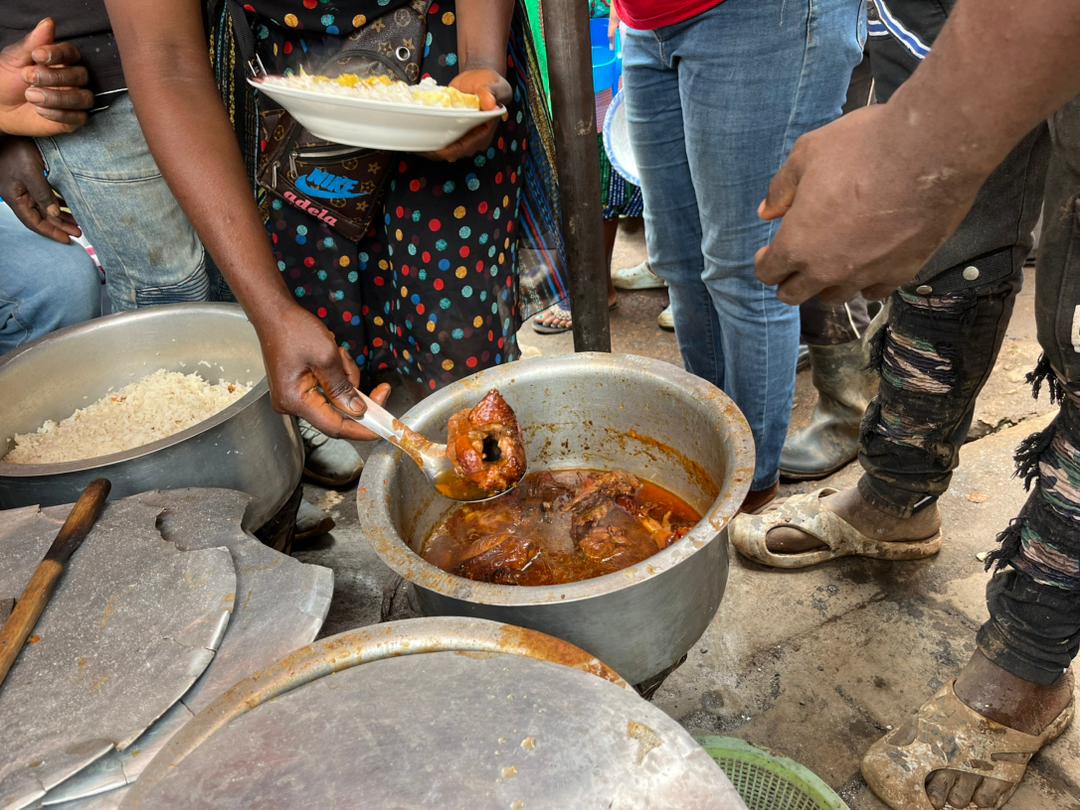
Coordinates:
[258,389]
[396,553]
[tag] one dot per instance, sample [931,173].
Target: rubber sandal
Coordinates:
[949,735]
[560,312]
[805,513]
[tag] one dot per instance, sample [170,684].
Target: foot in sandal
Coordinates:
[558,319]
[554,320]
[969,745]
[806,530]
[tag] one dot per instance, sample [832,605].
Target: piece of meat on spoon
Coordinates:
[485,445]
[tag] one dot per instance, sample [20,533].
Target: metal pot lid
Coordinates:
[484,727]
[131,626]
[281,604]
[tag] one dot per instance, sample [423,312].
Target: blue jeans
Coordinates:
[714,105]
[43,285]
[150,252]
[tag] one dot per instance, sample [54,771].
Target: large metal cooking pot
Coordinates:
[597,411]
[247,446]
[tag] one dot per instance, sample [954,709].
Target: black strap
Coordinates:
[245,36]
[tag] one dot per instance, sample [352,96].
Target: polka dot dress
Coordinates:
[432,290]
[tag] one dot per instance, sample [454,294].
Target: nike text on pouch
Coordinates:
[327,186]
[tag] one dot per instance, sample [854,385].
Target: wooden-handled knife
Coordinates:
[39,589]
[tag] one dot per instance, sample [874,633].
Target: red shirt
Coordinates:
[648,15]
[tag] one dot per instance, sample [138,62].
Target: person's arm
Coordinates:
[42,89]
[172,88]
[868,199]
[483,30]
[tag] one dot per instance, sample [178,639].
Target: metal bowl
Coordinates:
[247,446]
[595,411]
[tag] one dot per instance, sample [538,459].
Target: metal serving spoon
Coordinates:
[430,457]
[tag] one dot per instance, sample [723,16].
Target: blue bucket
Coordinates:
[598,33]
[605,74]
[601,51]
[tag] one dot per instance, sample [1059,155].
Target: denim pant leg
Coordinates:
[945,328]
[44,285]
[750,79]
[144,240]
[1034,598]
[672,219]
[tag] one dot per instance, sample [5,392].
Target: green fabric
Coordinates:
[536,24]
[605,173]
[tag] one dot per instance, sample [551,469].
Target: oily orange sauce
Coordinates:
[558,527]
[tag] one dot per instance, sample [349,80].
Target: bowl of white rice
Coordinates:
[159,398]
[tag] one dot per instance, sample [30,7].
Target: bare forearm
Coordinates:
[483,31]
[995,72]
[173,91]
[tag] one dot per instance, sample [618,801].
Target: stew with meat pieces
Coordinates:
[559,527]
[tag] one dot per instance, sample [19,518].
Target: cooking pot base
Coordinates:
[649,687]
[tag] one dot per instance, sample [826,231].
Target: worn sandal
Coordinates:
[949,735]
[805,513]
[558,312]
[555,313]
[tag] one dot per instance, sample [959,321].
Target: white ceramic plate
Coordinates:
[617,142]
[375,124]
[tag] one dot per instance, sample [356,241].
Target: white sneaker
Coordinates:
[639,277]
[666,320]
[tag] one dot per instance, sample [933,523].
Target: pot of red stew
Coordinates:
[614,540]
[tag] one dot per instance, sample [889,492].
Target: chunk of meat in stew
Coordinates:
[485,445]
[498,558]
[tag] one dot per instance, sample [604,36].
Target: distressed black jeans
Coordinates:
[941,341]
[1034,596]
[943,336]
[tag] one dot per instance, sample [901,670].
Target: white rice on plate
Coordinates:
[428,93]
[156,407]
